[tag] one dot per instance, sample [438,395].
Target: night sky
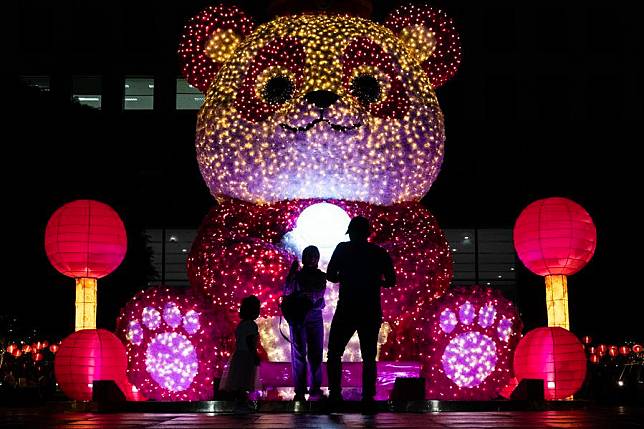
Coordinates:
[548,102]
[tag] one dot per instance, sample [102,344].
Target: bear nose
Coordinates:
[321,98]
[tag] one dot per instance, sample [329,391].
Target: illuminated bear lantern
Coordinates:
[309,120]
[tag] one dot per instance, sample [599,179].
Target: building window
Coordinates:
[188,97]
[139,93]
[170,248]
[40,82]
[87,90]
[482,256]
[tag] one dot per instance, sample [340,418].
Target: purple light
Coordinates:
[487,314]
[466,313]
[504,329]
[469,358]
[279,375]
[174,350]
[448,320]
[135,332]
[171,361]
[388,152]
[191,322]
[151,318]
[172,314]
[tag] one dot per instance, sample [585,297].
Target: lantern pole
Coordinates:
[86,289]
[557,301]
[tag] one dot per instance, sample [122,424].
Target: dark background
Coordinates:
[547,102]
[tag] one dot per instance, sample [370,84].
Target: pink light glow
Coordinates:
[554,355]
[88,355]
[172,344]
[469,359]
[555,236]
[471,335]
[239,252]
[199,68]
[444,61]
[280,375]
[85,238]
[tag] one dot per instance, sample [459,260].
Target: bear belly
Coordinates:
[246,249]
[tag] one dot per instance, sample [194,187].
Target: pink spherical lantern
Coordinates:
[85,238]
[555,356]
[86,356]
[555,236]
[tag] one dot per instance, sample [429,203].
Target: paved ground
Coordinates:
[600,418]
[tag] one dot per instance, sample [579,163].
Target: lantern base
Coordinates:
[85,303]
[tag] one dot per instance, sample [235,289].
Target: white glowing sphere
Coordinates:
[323,225]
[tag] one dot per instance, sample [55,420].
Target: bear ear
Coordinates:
[208,40]
[430,37]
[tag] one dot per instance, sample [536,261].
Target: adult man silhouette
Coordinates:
[361,268]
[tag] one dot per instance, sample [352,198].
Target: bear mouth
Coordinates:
[335,127]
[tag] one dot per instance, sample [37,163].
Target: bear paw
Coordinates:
[475,331]
[169,356]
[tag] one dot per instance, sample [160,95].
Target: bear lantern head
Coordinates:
[320,105]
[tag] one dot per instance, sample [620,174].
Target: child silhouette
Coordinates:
[240,376]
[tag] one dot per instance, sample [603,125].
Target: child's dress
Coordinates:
[241,374]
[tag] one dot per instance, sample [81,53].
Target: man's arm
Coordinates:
[332,273]
[388,271]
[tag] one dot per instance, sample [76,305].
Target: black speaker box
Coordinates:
[408,389]
[529,389]
[106,391]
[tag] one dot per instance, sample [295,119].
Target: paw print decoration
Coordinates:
[474,333]
[169,342]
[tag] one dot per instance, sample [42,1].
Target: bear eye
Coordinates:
[365,88]
[278,90]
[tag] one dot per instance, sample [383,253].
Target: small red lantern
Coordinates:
[555,356]
[17,353]
[11,348]
[624,350]
[88,355]
[594,358]
[592,350]
[54,348]
[612,351]
[45,344]
[26,348]
[602,349]
[37,357]
[637,348]
[587,340]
